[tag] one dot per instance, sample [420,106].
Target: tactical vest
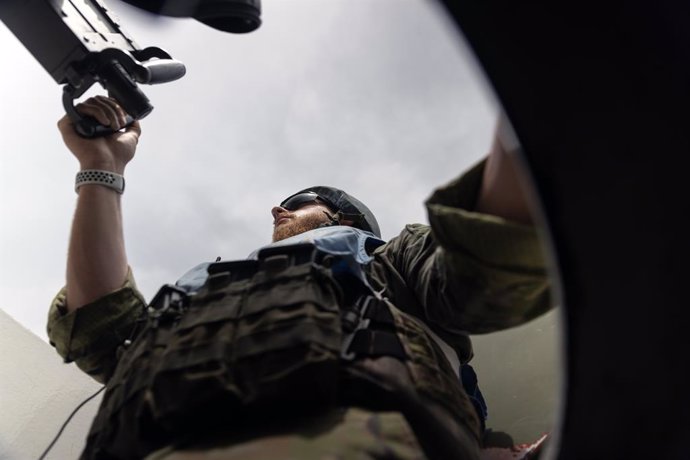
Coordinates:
[293,332]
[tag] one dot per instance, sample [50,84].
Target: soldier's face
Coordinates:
[290,223]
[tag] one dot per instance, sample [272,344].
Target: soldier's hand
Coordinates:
[110,153]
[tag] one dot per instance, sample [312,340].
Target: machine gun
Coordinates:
[81,42]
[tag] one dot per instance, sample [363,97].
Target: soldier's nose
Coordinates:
[278,211]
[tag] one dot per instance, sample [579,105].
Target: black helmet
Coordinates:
[339,201]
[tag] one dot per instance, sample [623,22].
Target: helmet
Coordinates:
[341,202]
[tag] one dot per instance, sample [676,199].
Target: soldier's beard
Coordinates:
[294,227]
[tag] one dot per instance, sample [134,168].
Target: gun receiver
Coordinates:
[79,43]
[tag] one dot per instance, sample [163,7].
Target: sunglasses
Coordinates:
[297,201]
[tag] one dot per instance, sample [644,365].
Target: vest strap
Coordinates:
[369,330]
[377,343]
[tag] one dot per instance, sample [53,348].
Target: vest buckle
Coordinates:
[169,302]
[353,321]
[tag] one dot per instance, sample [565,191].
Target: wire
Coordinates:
[64,425]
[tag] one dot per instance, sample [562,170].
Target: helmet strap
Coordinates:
[333,218]
[354,218]
[339,217]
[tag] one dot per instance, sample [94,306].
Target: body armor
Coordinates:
[295,331]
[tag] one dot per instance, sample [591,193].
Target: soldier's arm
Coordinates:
[479,267]
[503,191]
[97,309]
[96,260]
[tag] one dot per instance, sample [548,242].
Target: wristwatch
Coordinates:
[99,177]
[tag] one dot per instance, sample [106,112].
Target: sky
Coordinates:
[381,98]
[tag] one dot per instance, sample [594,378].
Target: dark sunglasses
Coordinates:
[297,201]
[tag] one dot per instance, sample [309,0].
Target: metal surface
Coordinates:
[59,33]
[80,42]
[598,96]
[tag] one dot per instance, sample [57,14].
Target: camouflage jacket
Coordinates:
[465,273]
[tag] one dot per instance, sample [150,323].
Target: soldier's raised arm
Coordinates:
[96,260]
[503,191]
[479,266]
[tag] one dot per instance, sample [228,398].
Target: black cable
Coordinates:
[64,425]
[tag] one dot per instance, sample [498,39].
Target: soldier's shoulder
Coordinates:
[414,231]
[408,235]
[416,228]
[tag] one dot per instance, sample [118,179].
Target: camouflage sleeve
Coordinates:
[91,334]
[467,273]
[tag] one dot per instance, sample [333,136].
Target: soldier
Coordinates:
[327,343]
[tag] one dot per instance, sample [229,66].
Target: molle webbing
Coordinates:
[260,339]
[429,377]
[260,336]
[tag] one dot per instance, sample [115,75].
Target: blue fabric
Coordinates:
[194,278]
[338,240]
[471,386]
[352,244]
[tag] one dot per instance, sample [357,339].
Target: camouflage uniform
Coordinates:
[465,273]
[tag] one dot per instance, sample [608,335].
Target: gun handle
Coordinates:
[89,127]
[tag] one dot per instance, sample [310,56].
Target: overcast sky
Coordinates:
[378,97]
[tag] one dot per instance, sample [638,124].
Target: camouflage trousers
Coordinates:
[345,434]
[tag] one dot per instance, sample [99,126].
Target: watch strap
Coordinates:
[100,177]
